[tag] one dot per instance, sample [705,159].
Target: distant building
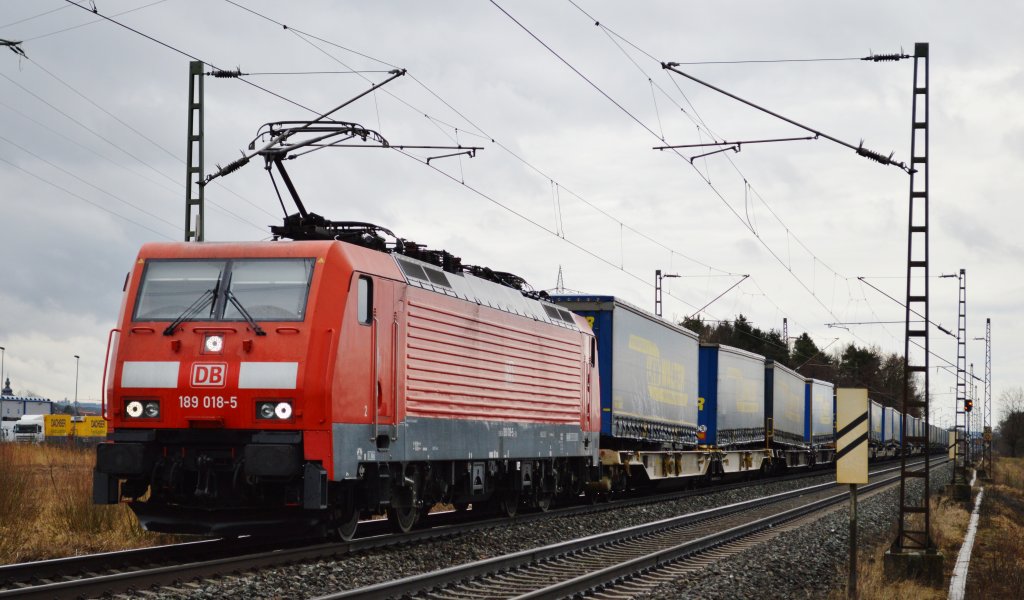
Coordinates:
[13,407]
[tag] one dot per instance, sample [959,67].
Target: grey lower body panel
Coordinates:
[431,439]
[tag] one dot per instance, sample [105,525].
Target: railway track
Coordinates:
[115,572]
[627,555]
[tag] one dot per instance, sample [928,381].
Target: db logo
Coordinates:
[209,374]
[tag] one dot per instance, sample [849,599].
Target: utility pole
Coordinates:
[657,290]
[195,207]
[76,384]
[914,553]
[959,486]
[987,411]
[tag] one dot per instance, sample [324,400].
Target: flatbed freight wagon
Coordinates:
[649,396]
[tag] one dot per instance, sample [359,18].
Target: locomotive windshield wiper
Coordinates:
[209,295]
[245,314]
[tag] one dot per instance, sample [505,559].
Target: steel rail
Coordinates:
[135,567]
[418,583]
[654,560]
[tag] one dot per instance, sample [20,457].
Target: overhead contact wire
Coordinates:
[704,177]
[481,133]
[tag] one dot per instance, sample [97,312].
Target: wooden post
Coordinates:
[851,588]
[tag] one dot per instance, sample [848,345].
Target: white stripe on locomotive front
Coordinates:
[150,374]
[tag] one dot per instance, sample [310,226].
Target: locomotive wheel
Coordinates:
[403,513]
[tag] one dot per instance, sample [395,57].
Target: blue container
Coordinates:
[785,394]
[648,370]
[820,412]
[731,401]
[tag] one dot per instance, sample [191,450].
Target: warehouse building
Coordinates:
[13,407]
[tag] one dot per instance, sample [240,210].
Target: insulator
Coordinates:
[236,165]
[886,57]
[221,73]
[875,156]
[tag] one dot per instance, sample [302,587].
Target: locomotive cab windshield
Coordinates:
[271,289]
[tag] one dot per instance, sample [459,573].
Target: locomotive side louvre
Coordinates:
[479,373]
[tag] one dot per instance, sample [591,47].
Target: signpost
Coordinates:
[852,459]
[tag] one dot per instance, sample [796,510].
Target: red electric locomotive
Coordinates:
[259,387]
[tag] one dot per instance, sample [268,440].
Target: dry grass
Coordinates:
[997,561]
[46,508]
[949,522]
[997,564]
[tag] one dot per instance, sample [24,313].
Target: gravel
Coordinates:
[318,578]
[809,562]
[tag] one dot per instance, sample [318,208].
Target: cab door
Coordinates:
[371,355]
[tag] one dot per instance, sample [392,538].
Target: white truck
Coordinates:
[29,428]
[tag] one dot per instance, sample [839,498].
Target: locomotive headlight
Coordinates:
[265,410]
[214,343]
[274,410]
[151,410]
[134,409]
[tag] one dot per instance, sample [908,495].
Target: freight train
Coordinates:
[283,386]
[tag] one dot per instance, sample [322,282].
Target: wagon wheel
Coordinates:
[344,523]
[403,512]
[508,503]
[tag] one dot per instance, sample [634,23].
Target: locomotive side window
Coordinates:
[365,307]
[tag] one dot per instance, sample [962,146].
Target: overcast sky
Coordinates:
[92,153]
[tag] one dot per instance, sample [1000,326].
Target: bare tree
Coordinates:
[1010,432]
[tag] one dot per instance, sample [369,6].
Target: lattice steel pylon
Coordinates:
[915,514]
[960,424]
[194,173]
[987,410]
[972,418]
